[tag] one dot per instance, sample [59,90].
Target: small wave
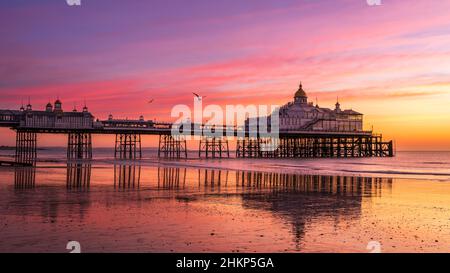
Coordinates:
[397,172]
[364,164]
[435,163]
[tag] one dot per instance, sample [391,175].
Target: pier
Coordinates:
[306,131]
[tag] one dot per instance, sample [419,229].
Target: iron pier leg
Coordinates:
[172,147]
[26,147]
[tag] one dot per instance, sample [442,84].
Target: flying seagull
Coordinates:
[198,96]
[150,101]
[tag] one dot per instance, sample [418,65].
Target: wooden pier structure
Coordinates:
[332,144]
[81,126]
[172,146]
[213,147]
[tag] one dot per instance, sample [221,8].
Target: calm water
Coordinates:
[229,205]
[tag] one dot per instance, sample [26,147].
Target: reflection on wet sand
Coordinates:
[32,200]
[78,175]
[213,178]
[331,185]
[127,174]
[24,177]
[301,198]
[298,199]
[171,178]
[245,202]
[175,178]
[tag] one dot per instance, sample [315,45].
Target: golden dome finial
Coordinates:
[300,92]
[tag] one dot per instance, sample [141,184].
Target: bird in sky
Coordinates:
[150,101]
[198,96]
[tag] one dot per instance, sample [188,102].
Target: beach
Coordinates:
[227,205]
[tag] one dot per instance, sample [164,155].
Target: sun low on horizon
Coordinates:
[390,62]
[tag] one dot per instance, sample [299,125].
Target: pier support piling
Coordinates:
[212,147]
[172,146]
[128,146]
[79,146]
[248,147]
[316,147]
[26,146]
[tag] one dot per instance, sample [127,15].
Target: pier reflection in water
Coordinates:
[175,178]
[171,178]
[127,174]
[301,199]
[261,211]
[24,177]
[213,178]
[298,199]
[78,175]
[331,185]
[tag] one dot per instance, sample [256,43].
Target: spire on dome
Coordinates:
[338,105]
[300,92]
[29,108]
[300,96]
[85,109]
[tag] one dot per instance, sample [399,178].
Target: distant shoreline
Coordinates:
[13,148]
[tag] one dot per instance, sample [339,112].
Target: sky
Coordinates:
[390,62]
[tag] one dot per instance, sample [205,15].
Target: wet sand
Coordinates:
[131,208]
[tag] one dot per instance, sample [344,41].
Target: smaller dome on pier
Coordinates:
[58,106]
[49,107]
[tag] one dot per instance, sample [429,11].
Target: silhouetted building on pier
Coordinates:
[301,115]
[55,117]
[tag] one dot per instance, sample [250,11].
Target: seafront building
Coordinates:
[54,117]
[303,115]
